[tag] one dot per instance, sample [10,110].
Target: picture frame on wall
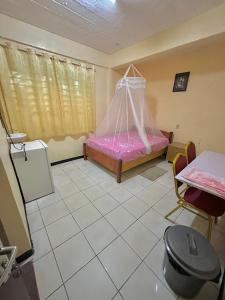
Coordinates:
[181,82]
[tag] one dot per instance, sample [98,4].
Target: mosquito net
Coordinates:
[128,130]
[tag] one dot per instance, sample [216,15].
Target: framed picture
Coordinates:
[180,82]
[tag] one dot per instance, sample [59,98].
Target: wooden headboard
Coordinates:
[169,135]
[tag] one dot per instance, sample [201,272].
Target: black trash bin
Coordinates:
[189,261]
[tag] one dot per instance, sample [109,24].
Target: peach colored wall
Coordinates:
[199,113]
[12,213]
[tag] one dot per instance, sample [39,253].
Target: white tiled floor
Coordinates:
[96,239]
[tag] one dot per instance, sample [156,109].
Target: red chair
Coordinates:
[208,206]
[190,152]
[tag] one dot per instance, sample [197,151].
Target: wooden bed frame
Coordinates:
[119,166]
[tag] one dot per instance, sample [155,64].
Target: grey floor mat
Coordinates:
[153,173]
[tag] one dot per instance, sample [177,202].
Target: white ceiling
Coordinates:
[102,24]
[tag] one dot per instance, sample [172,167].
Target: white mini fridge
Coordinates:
[33,169]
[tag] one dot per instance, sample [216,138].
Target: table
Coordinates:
[173,149]
[211,162]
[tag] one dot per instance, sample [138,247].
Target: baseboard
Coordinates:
[25,256]
[66,160]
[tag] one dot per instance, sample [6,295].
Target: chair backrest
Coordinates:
[179,163]
[190,152]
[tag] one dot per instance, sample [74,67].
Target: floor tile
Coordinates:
[60,179]
[144,285]
[48,200]
[165,165]
[109,185]
[31,207]
[84,183]
[155,222]
[69,167]
[120,194]
[41,243]
[132,186]
[140,239]
[143,181]
[166,180]
[62,230]
[73,255]
[105,204]
[117,297]
[87,278]
[81,163]
[57,170]
[54,212]
[86,215]
[60,294]
[167,202]
[136,206]
[76,201]
[35,221]
[99,177]
[91,283]
[94,193]
[47,275]
[130,173]
[153,193]
[189,219]
[100,234]
[77,175]
[67,189]
[155,262]
[155,259]
[120,219]
[119,260]
[87,166]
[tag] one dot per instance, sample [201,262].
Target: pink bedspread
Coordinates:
[118,146]
[205,179]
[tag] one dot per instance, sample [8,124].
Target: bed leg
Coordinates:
[84,151]
[119,171]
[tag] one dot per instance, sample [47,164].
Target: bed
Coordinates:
[118,156]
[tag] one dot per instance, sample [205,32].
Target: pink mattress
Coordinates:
[119,148]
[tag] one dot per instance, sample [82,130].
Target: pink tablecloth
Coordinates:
[205,179]
[120,147]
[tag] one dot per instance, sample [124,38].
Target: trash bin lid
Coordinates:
[192,251]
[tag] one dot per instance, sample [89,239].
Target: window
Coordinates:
[45,96]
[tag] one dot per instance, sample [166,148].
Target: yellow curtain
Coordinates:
[45,96]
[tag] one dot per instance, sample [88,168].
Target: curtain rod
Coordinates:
[48,51]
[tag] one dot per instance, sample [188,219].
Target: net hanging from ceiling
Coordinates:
[128,130]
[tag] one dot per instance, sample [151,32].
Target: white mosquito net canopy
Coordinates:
[128,130]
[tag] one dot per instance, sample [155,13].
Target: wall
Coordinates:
[199,113]
[26,33]
[12,213]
